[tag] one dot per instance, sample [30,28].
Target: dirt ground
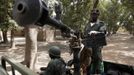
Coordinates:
[120,49]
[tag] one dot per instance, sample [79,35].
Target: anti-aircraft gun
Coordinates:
[29,12]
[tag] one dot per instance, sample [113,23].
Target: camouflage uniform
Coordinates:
[56,66]
[96,66]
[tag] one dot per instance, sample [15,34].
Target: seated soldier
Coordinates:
[56,66]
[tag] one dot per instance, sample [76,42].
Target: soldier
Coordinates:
[56,66]
[93,28]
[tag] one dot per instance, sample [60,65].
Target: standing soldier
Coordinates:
[56,66]
[95,39]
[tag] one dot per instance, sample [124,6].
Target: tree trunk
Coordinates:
[12,39]
[31,47]
[49,35]
[4,33]
[109,33]
[0,36]
[115,29]
[41,34]
[133,33]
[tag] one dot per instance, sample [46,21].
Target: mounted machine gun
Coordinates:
[29,12]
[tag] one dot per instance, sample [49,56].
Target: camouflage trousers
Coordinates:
[96,66]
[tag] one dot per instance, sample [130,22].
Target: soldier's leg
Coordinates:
[93,63]
[97,65]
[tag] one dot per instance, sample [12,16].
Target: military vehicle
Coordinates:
[14,67]
[28,12]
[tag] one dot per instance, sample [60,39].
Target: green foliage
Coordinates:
[129,4]
[114,14]
[76,13]
[5,14]
[129,20]
[118,13]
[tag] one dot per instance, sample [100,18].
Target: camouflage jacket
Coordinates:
[56,67]
[99,26]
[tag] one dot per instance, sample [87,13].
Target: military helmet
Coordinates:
[54,51]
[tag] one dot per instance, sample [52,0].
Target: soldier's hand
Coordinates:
[64,34]
[93,32]
[70,62]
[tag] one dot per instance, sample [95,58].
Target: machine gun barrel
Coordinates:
[36,12]
[46,19]
[57,24]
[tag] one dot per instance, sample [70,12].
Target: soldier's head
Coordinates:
[94,15]
[54,52]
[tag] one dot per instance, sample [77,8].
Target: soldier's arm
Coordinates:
[103,28]
[85,33]
[50,68]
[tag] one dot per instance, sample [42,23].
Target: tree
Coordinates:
[129,21]
[76,13]
[13,28]
[111,14]
[31,46]
[5,17]
[117,13]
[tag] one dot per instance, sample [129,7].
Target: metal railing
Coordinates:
[15,66]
